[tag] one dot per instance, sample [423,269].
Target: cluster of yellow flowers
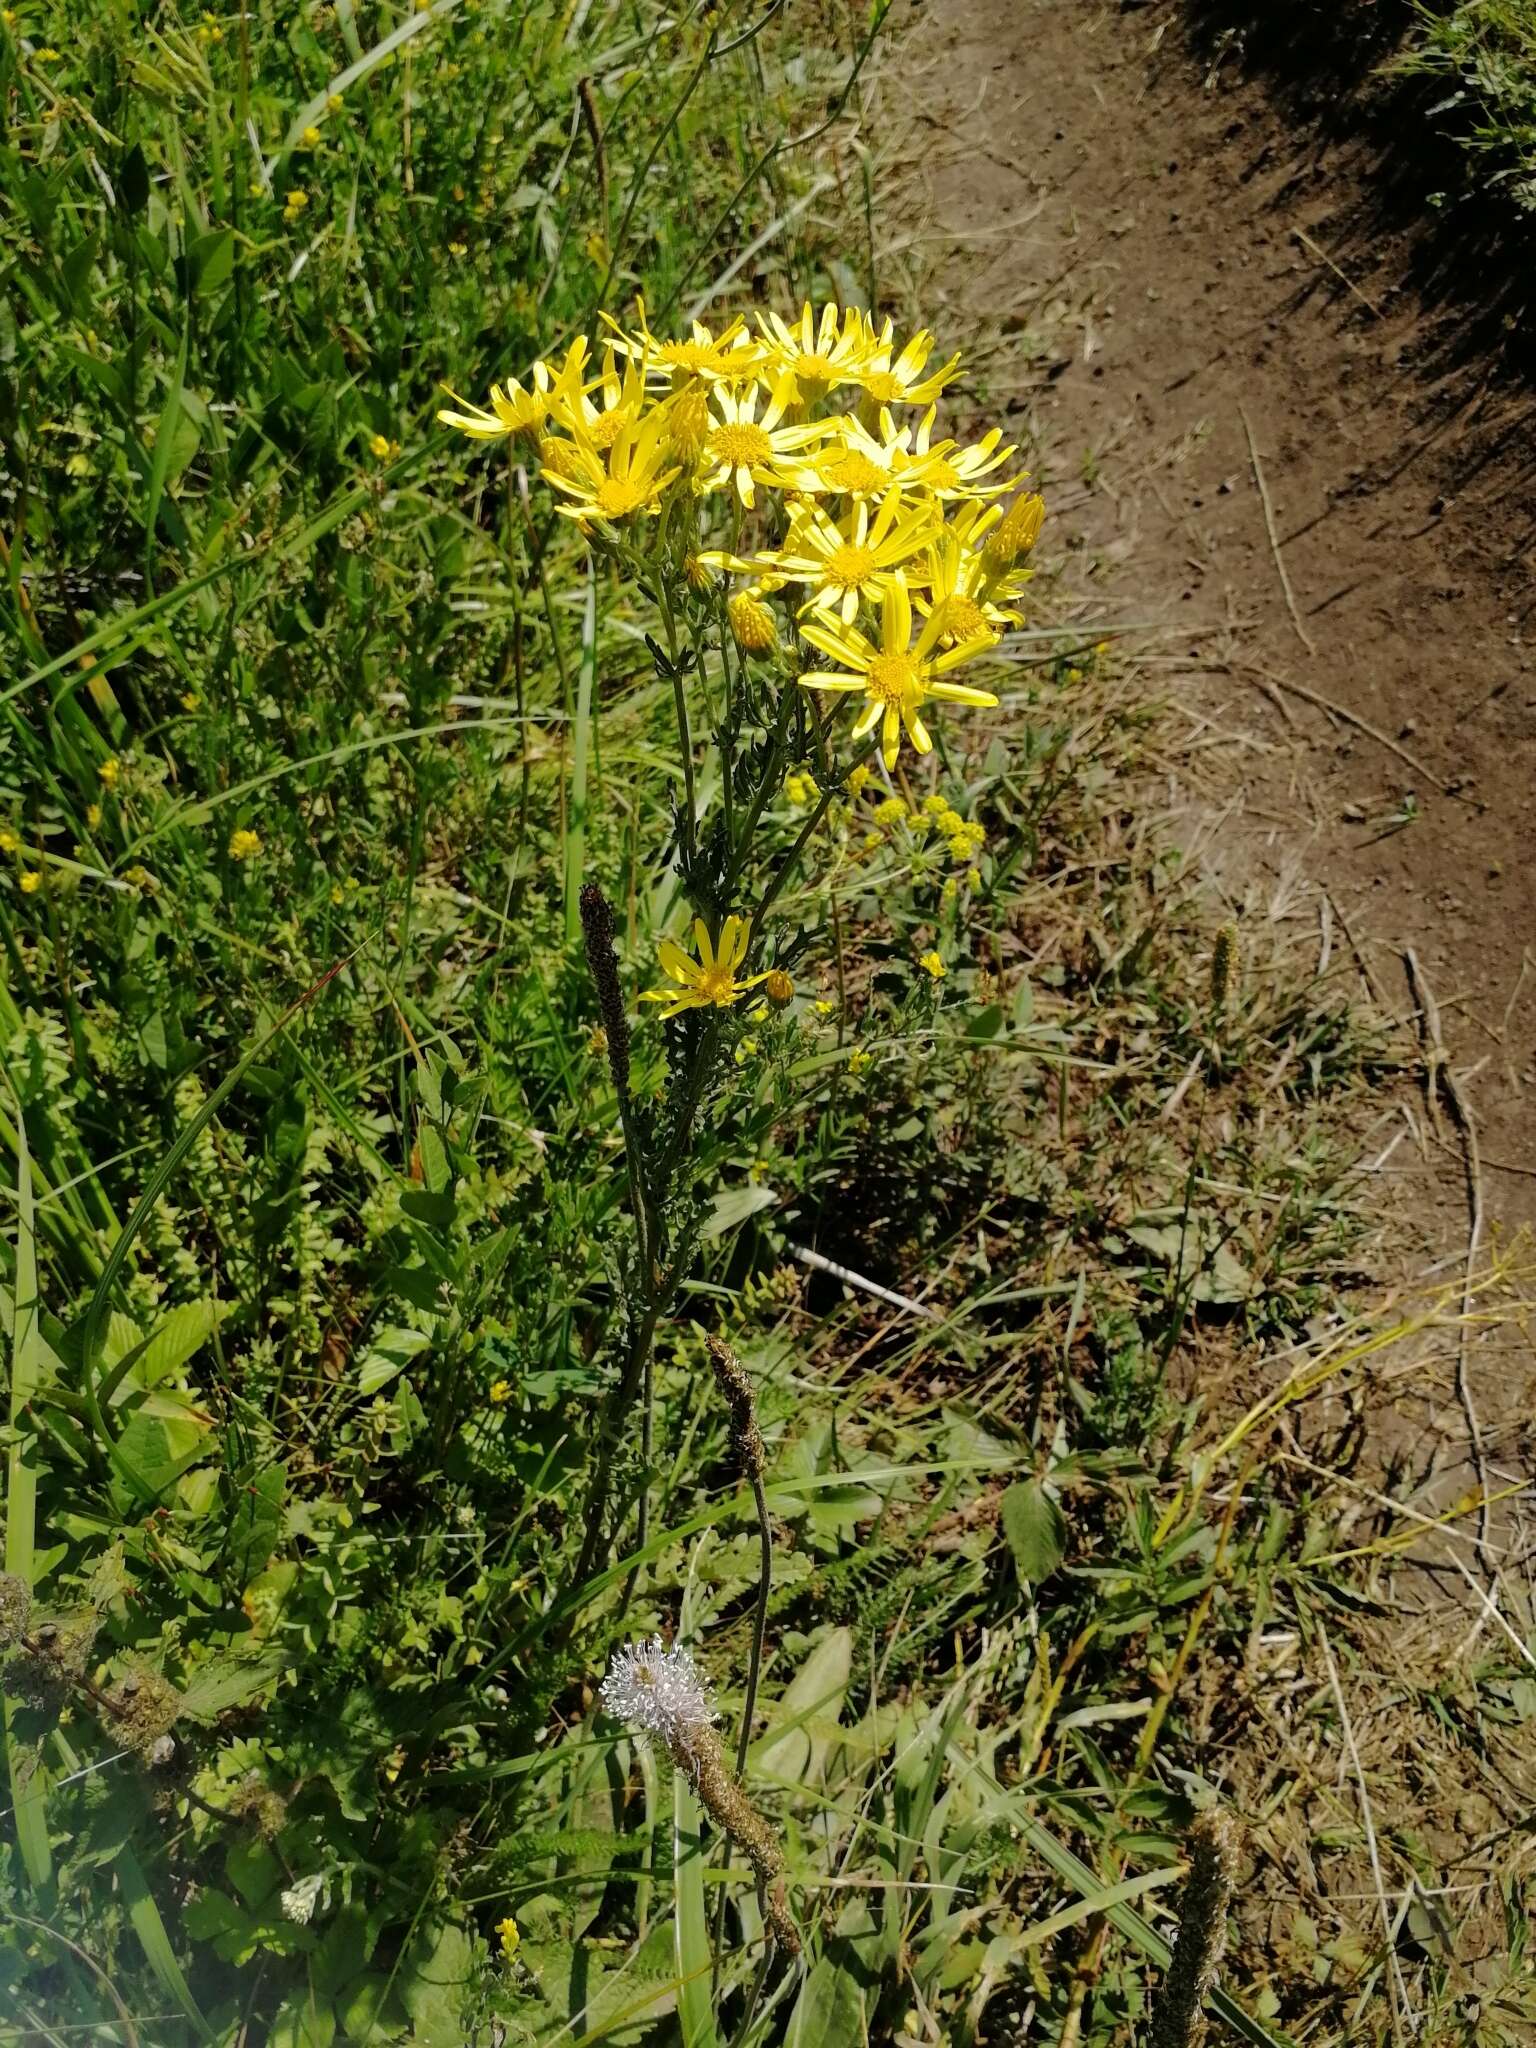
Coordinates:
[863,511]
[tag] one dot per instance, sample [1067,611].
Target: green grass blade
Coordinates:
[165,441]
[29,1782]
[144,1918]
[695,2006]
[576,835]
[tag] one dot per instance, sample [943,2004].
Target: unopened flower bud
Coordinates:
[778,988]
[752,624]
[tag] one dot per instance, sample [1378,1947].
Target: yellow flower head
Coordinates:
[889,378]
[713,979]
[499,1394]
[898,676]
[519,409]
[800,786]
[597,427]
[244,844]
[728,356]
[632,479]
[961,591]
[510,1936]
[752,624]
[857,778]
[890,811]
[845,562]
[859,1059]
[778,988]
[109,771]
[817,355]
[742,450]
[31,882]
[932,965]
[296,200]
[10,842]
[310,139]
[379,446]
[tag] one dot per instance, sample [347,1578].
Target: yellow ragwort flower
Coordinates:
[815,355]
[499,1393]
[510,1936]
[729,356]
[847,561]
[244,844]
[958,590]
[632,478]
[778,988]
[519,409]
[744,451]
[109,771]
[898,676]
[713,979]
[310,139]
[31,882]
[10,842]
[623,400]
[897,379]
[379,446]
[932,965]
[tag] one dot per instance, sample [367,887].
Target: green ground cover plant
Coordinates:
[337,1483]
[1486,50]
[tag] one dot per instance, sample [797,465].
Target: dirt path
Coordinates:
[1190,341]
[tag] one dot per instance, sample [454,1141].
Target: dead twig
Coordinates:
[1348,283]
[1353,718]
[1274,538]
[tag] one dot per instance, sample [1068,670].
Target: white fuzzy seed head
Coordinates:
[659,1692]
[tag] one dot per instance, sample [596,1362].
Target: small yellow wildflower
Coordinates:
[138,877]
[394,1763]
[109,771]
[859,1059]
[9,841]
[932,965]
[379,446]
[696,573]
[890,811]
[823,1007]
[500,1393]
[46,55]
[8,16]
[244,844]
[338,894]
[31,882]
[857,777]
[191,701]
[296,201]
[949,892]
[1017,534]
[778,988]
[333,101]
[800,786]
[713,979]
[510,1935]
[897,676]
[752,624]
[745,1050]
[79,464]
[256,189]
[458,249]
[310,139]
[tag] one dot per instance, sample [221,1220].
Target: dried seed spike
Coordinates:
[1224,964]
[1177,2018]
[597,932]
[741,1399]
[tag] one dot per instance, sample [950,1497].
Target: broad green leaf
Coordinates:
[387,1356]
[28,1778]
[1035,1528]
[817,1690]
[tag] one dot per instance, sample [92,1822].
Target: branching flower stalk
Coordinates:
[785,500]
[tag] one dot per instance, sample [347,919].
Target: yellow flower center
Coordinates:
[940,475]
[963,617]
[717,985]
[853,471]
[692,356]
[813,372]
[850,565]
[605,429]
[893,679]
[741,447]
[883,387]
[616,495]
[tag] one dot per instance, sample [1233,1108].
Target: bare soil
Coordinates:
[1210,307]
